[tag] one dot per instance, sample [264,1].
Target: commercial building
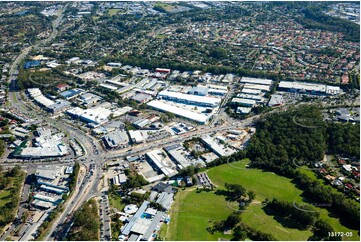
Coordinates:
[217,92]
[69,94]
[141,123]
[39,98]
[179,155]
[155,159]
[218,87]
[109,87]
[116,83]
[309,88]
[88,99]
[244,102]
[165,200]
[20,133]
[46,145]
[119,179]
[256,81]
[144,224]
[141,98]
[189,99]
[215,147]
[136,136]
[60,105]
[97,115]
[251,91]
[197,117]
[199,91]
[228,78]
[116,139]
[257,98]
[50,178]
[243,110]
[276,100]
[262,88]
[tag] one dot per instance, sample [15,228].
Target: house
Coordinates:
[61,87]
[348,186]
[162,187]
[347,168]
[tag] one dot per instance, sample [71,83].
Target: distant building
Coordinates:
[142,98]
[244,102]
[309,88]
[162,70]
[200,91]
[189,99]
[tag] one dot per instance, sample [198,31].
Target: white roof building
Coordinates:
[156,159]
[313,88]
[190,99]
[276,100]
[251,91]
[243,101]
[263,88]
[46,146]
[197,117]
[251,80]
[136,136]
[97,115]
[243,110]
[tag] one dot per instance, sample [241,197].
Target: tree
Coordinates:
[239,234]
[232,220]
[251,196]
[321,231]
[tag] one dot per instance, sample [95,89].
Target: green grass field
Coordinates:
[4,197]
[116,202]
[193,212]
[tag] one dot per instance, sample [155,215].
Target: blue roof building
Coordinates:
[31,64]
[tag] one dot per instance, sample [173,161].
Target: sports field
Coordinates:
[193,212]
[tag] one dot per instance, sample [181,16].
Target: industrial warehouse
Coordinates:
[309,88]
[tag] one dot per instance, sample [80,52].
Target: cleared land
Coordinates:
[193,212]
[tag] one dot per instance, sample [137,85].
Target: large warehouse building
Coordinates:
[309,88]
[197,117]
[256,81]
[97,115]
[190,99]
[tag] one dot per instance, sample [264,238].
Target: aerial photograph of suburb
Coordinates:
[179,120]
